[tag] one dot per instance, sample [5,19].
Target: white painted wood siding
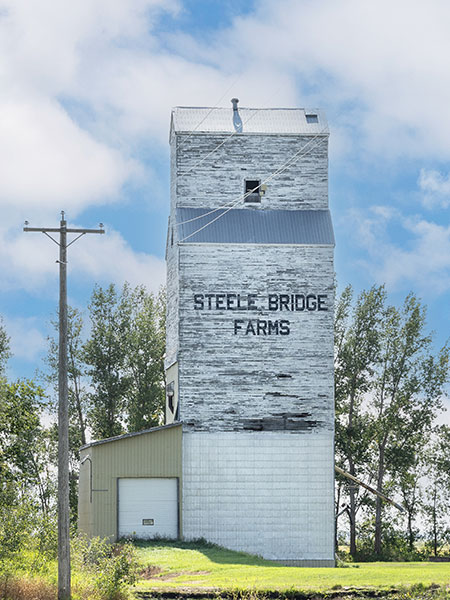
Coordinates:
[257,410]
[201,179]
[228,380]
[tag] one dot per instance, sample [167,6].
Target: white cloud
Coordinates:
[58,147]
[87,84]
[109,258]
[436,188]
[380,67]
[421,261]
[55,150]
[47,161]
[29,262]
[27,340]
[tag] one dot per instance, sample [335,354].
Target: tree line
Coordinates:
[115,385]
[389,387]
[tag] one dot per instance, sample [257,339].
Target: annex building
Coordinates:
[246,457]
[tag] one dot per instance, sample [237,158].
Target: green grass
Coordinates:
[190,566]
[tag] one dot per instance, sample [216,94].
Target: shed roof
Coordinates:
[255,226]
[288,121]
[129,435]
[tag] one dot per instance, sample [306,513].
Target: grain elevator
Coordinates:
[249,360]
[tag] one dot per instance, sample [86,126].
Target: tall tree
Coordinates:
[22,440]
[407,469]
[407,392]
[357,343]
[27,483]
[121,362]
[436,506]
[20,407]
[105,353]
[146,342]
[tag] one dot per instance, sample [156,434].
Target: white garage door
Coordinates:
[148,507]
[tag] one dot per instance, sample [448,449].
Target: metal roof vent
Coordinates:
[237,121]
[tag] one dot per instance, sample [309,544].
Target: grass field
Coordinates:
[170,566]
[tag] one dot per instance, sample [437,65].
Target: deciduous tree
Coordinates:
[105,354]
[407,393]
[124,357]
[357,342]
[436,506]
[146,342]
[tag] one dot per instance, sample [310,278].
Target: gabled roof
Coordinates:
[287,121]
[255,226]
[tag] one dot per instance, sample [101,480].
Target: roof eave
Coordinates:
[130,435]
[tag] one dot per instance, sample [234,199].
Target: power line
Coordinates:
[210,111]
[238,200]
[242,197]
[281,169]
[218,146]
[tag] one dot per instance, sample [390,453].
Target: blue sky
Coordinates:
[87,89]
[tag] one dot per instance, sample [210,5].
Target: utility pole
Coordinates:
[63,409]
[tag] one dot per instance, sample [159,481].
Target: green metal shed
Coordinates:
[130,485]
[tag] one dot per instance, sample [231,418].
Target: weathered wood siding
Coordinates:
[200,180]
[172,338]
[231,380]
[255,386]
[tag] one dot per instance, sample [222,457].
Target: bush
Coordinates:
[106,569]
[395,546]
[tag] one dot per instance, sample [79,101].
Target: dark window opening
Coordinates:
[252,190]
[312,119]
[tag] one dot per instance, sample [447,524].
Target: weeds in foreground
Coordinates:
[23,588]
[100,571]
[110,568]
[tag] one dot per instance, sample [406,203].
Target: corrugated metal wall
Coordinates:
[154,453]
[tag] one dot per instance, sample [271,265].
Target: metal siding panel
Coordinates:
[268,493]
[85,508]
[240,226]
[153,454]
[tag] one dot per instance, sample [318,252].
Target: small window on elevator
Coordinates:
[312,118]
[252,190]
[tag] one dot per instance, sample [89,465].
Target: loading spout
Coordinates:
[369,488]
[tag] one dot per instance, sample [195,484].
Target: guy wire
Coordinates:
[274,174]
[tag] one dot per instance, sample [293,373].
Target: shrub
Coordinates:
[109,568]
